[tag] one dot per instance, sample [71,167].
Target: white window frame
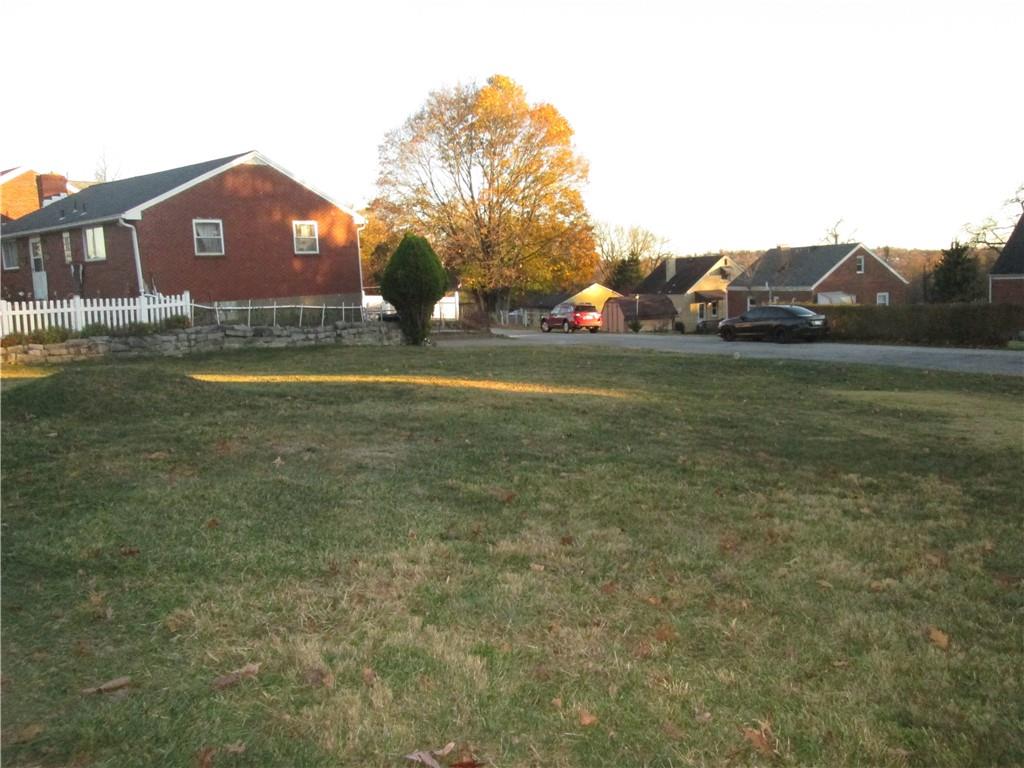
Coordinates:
[882,299]
[66,239]
[10,247]
[195,236]
[35,251]
[295,238]
[860,264]
[751,302]
[95,248]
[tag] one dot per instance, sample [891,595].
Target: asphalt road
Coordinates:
[992,361]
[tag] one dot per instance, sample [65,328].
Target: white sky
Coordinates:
[730,124]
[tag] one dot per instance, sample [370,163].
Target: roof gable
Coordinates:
[795,267]
[1011,260]
[688,271]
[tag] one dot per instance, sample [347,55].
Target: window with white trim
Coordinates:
[11,254]
[306,237]
[66,237]
[209,237]
[860,265]
[882,299]
[751,302]
[95,245]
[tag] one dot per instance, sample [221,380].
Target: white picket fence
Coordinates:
[76,313]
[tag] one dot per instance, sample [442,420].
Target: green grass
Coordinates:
[730,545]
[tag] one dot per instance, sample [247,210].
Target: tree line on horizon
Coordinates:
[494,184]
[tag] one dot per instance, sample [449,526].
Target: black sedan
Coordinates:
[779,323]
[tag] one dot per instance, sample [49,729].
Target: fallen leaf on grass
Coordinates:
[204,757]
[278,462]
[824,584]
[536,567]
[427,756]
[938,638]
[238,748]
[108,687]
[157,456]
[127,551]
[672,731]
[318,677]
[212,523]
[568,541]
[609,588]
[235,677]
[587,718]
[467,762]
[369,676]
[762,739]
[666,633]
[702,716]
[556,703]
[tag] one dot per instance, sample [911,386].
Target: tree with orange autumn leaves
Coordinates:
[494,183]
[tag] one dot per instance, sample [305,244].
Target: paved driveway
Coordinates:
[1005,362]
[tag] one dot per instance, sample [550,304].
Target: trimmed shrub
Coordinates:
[413,282]
[635,325]
[51,335]
[985,325]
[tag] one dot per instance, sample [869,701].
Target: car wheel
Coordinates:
[544,326]
[565,326]
[781,335]
[728,334]
[594,330]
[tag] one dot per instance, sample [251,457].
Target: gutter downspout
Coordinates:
[135,250]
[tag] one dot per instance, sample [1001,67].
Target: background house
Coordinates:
[1006,278]
[696,286]
[655,312]
[529,308]
[23,191]
[844,273]
[235,228]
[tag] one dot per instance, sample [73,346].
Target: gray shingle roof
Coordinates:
[1011,260]
[102,202]
[689,270]
[793,267]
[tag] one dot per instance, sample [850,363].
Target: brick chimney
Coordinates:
[51,186]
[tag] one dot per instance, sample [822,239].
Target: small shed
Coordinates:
[656,312]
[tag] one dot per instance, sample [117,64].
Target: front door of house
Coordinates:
[35,252]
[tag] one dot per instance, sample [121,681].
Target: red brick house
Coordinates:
[236,228]
[1006,278]
[844,273]
[22,191]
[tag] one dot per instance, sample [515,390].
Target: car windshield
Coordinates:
[586,308]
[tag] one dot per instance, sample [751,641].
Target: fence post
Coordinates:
[143,310]
[5,320]
[186,300]
[78,313]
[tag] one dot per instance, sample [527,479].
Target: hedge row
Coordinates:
[938,324]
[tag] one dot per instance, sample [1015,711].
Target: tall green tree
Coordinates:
[413,282]
[956,277]
[496,184]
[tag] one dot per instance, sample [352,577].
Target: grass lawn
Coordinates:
[706,561]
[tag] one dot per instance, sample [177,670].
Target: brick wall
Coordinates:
[19,196]
[875,279]
[256,205]
[1007,290]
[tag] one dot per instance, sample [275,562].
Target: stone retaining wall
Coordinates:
[206,338]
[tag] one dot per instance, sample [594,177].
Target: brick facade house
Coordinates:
[22,191]
[844,273]
[1006,278]
[231,229]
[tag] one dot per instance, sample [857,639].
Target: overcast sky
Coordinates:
[736,124]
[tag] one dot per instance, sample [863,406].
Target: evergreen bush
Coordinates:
[413,282]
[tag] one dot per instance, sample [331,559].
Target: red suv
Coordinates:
[569,317]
